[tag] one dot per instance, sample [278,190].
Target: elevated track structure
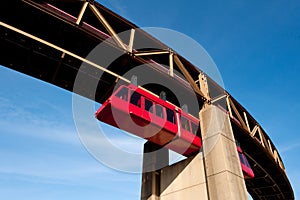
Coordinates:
[50,39]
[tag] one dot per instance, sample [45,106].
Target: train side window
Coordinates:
[241,158]
[123,94]
[148,105]
[135,99]
[185,124]
[159,111]
[246,162]
[194,128]
[170,115]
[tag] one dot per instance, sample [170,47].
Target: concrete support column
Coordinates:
[155,157]
[213,174]
[223,170]
[184,180]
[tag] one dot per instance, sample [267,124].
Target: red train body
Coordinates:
[144,114]
[151,118]
[246,168]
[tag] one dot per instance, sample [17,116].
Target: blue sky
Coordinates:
[256,46]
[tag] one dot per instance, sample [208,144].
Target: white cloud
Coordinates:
[118,7]
[113,148]
[289,147]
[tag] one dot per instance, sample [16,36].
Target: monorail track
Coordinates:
[50,40]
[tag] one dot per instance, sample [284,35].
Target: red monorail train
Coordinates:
[151,118]
[246,168]
[144,114]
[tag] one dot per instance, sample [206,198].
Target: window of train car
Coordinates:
[241,158]
[194,128]
[135,99]
[148,105]
[185,124]
[246,162]
[123,94]
[159,111]
[170,115]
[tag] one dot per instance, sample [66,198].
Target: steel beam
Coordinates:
[107,26]
[237,114]
[131,40]
[62,50]
[247,122]
[188,76]
[149,53]
[204,85]
[171,63]
[82,11]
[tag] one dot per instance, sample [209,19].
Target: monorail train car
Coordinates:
[144,114]
[246,168]
[151,118]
